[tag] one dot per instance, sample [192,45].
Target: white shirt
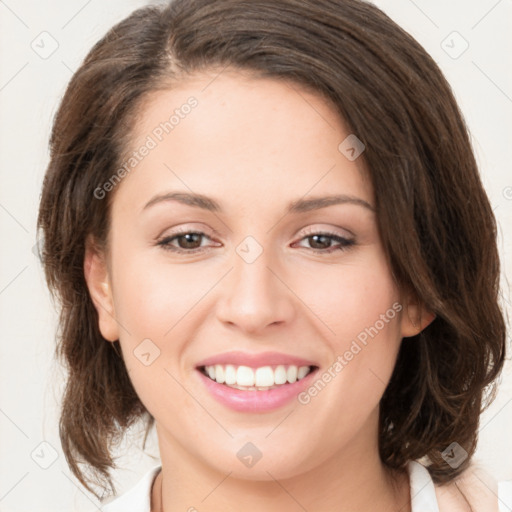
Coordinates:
[138,499]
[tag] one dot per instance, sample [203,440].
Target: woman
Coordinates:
[270,239]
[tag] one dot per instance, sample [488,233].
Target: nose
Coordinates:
[255,295]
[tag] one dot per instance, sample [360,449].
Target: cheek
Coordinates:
[360,311]
[366,307]
[150,300]
[158,305]
[150,296]
[351,296]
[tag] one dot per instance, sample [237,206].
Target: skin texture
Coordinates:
[254,145]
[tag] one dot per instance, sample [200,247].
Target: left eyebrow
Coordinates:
[315,203]
[297,206]
[197,200]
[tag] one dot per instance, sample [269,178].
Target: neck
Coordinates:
[345,482]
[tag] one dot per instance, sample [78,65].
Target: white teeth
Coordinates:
[291,374]
[303,371]
[280,375]
[230,375]
[219,373]
[262,378]
[245,376]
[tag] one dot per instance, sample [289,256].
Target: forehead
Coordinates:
[231,134]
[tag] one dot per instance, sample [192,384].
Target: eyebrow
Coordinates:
[298,206]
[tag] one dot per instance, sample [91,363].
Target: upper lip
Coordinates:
[254,360]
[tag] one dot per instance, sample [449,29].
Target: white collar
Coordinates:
[423,493]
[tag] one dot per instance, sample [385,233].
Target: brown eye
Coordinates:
[320,241]
[323,242]
[187,241]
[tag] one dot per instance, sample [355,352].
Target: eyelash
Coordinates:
[166,241]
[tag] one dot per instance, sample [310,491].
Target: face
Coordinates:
[258,276]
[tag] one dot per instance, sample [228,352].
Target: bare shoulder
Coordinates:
[475,490]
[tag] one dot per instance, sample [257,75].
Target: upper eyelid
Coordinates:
[214,233]
[308,233]
[202,233]
[328,231]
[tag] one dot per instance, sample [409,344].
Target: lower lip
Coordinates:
[256,401]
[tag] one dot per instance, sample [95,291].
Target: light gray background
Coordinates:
[30,88]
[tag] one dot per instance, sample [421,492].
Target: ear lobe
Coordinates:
[100,290]
[415,318]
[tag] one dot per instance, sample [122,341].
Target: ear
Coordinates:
[100,290]
[415,317]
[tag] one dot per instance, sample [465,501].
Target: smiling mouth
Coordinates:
[262,378]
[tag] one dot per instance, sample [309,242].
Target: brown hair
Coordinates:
[434,217]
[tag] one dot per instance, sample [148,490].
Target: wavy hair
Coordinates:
[434,217]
